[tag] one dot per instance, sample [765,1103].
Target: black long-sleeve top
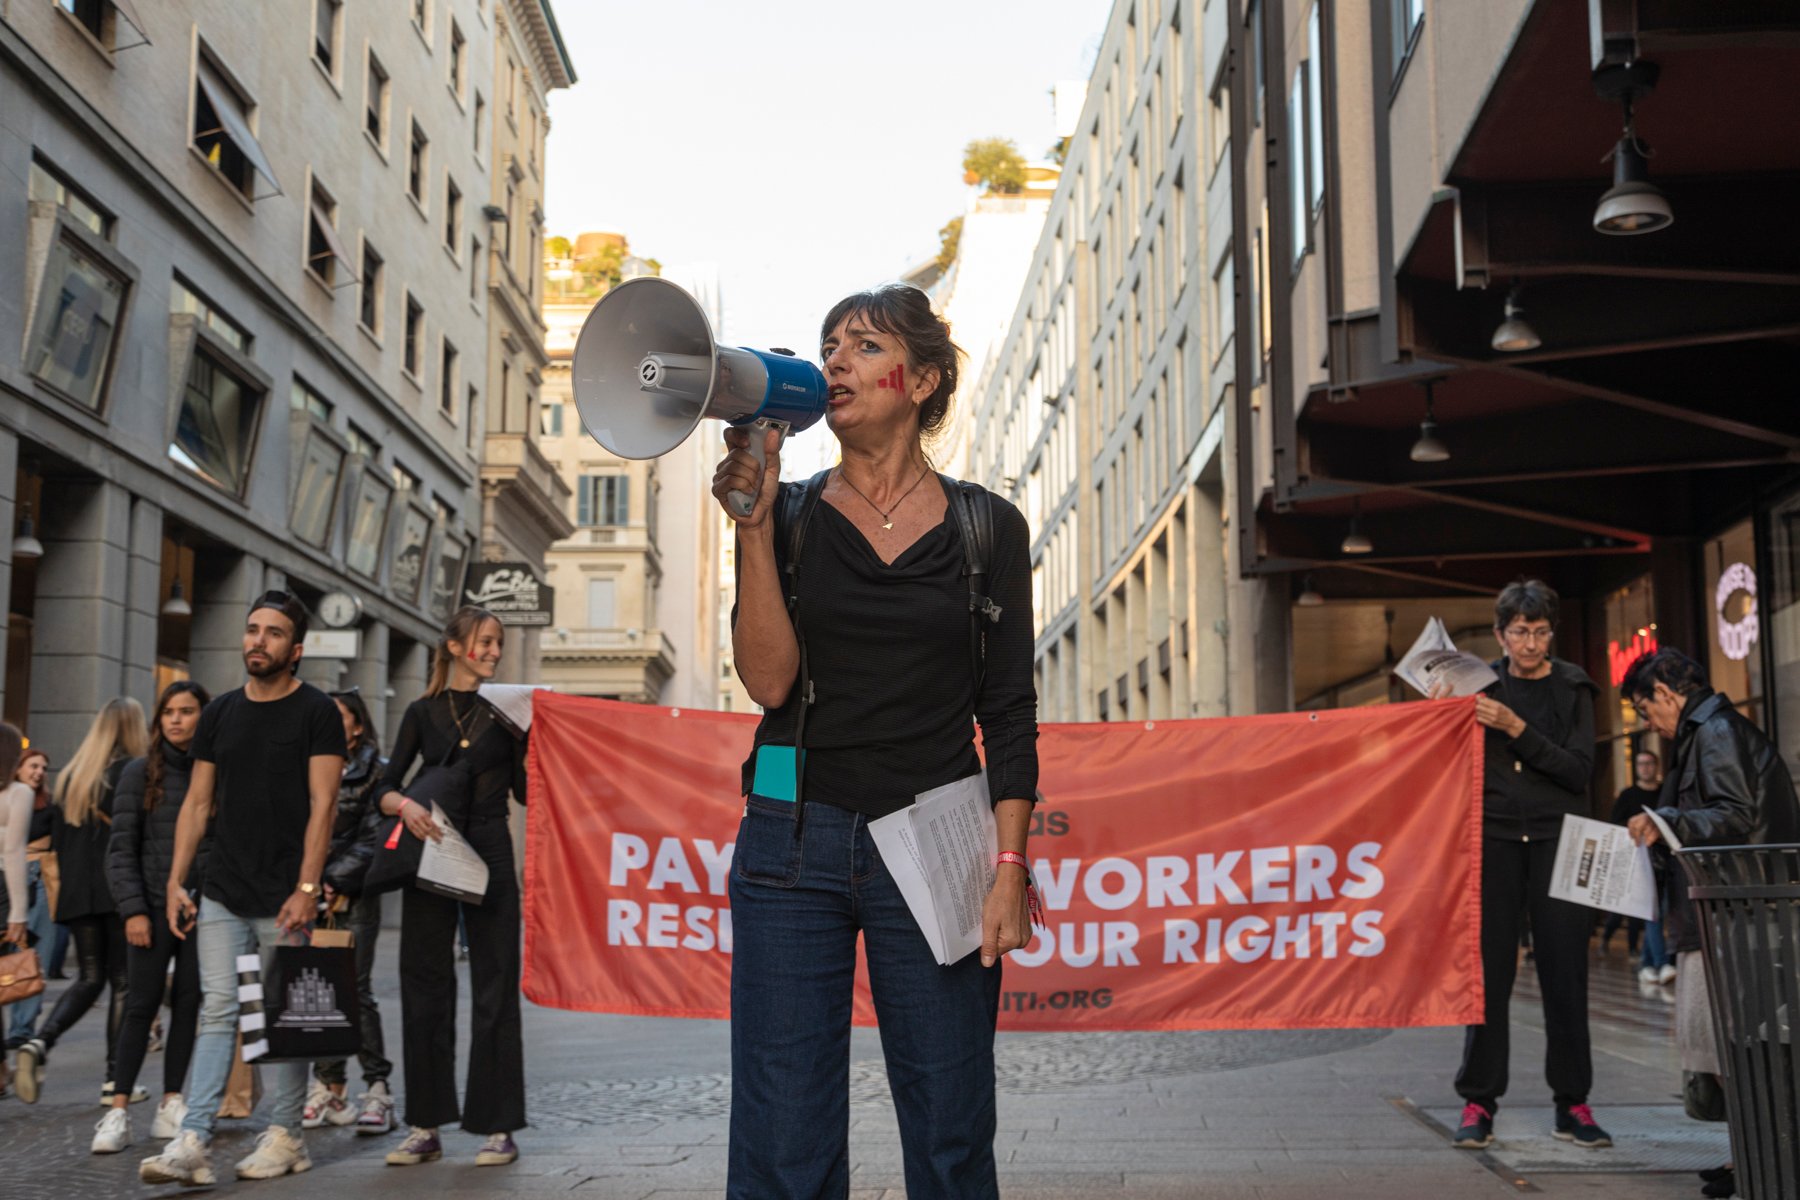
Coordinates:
[494,757]
[889,655]
[142,848]
[1533,779]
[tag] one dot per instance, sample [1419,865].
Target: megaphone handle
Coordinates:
[743,502]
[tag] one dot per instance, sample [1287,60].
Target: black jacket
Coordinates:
[1727,787]
[143,844]
[356,792]
[1530,781]
[81,855]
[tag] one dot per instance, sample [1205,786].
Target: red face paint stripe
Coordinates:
[896,379]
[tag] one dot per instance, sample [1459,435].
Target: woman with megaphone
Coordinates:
[880,607]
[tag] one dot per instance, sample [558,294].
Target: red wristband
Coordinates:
[1013,857]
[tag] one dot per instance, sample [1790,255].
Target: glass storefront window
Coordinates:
[409,553]
[368,524]
[447,575]
[217,425]
[1781,602]
[1630,632]
[318,465]
[1734,632]
[75,326]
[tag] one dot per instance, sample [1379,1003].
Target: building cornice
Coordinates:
[539,33]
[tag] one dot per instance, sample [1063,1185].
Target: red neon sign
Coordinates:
[1619,658]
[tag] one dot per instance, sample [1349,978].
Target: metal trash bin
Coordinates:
[1747,904]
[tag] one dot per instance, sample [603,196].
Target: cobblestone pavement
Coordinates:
[635,1108]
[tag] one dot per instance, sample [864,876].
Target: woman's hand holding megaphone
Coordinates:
[740,472]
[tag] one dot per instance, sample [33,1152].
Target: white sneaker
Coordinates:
[182,1161]
[1667,974]
[138,1094]
[277,1153]
[324,1106]
[169,1116]
[1649,975]
[113,1133]
[377,1112]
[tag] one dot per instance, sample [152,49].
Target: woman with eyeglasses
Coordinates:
[1538,719]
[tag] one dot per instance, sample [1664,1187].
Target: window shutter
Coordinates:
[584,504]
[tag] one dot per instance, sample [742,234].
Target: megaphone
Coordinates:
[647,371]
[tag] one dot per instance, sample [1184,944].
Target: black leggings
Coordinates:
[149,968]
[100,960]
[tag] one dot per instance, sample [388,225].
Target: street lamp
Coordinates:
[1633,204]
[25,543]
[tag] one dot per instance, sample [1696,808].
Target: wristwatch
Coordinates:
[307,889]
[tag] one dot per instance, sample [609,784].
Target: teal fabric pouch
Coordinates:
[774,778]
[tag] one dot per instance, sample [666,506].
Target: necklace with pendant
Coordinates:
[457,717]
[887,517]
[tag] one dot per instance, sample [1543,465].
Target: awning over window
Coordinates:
[332,242]
[231,119]
[128,13]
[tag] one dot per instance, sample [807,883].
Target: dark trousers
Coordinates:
[148,968]
[496,1091]
[797,907]
[365,927]
[99,960]
[1515,881]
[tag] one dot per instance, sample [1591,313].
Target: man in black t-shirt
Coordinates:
[267,760]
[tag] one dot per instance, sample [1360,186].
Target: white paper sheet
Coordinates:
[512,702]
[1662,827]
[450,866]
[940,851]
[1435,659]
[1597,864]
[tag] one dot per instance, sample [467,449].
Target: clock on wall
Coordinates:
[340,609]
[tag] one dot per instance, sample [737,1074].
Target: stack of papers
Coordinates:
[1434,659]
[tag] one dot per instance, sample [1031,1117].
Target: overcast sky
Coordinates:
[808,148]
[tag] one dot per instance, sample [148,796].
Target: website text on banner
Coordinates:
[1275,872]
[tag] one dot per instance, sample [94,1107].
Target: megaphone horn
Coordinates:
[647,371]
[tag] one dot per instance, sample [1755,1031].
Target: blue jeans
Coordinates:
[221,935]
[797,905]
[24,1013]
[1656,950]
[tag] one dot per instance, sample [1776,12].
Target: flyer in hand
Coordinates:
[1434,659]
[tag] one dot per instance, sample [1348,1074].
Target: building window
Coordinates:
[370,313]
[368,519]
[415,334]
[317,467]
[415,163]
[1299,209]
[421,15]
[408,571]
[47,187]
[360,442]
[512,90]
[480,120]
[375,104]
[603,500]
[1224,304]
[1219,124]
[404,480]
[184,299]
[326,14]
[75,324]
[1405,16]
[473,410]
[1315,113]
[448,384]
[459,61]
[221,133]
[1254,19]
[304,399]
[216,428]
[602,603]
[452,215]
[324,249]
[447,572]
[474,268]
[90,15]
[552,418]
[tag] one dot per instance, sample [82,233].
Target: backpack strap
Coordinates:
[973,506]
[793,514]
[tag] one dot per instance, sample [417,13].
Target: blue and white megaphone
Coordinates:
[647,371]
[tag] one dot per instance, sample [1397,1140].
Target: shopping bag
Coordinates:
[302,1008]
[244,1086]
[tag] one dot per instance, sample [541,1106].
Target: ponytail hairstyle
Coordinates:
[464,626]
[12,750]
[43,793]
[153,761]
[119,731]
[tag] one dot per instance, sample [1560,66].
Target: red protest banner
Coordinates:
[1297,870]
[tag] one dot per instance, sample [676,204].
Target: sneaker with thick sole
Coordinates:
[498,1151]
[420,1146]
[1576,1124]
[1477,1129]
[1649,975]
[277,1153]
[170,1113]
[325,1107]
[28,1070]
[183,1160]
[113,1133]
[376,1112]
[1667,974]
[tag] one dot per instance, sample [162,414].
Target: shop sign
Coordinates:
[1619,658]
[511,591]
[333,643]
[1736,637]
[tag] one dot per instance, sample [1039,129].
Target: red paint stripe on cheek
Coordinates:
[895,379]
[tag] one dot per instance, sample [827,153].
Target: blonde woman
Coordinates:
[79,833]
[15,819]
